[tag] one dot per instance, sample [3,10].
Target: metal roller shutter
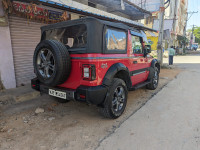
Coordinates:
[25,35]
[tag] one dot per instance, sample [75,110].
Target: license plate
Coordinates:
[58,94]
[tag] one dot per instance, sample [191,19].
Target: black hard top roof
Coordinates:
[92,19]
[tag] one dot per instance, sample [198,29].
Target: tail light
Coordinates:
[89,72]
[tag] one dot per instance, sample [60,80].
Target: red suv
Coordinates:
[94,61]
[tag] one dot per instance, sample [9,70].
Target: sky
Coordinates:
[194,5]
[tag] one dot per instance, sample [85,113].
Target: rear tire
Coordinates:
[115,103]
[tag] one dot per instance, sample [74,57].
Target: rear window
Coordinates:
[74,37]
[115,40]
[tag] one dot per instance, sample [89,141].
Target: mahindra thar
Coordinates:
[93,61]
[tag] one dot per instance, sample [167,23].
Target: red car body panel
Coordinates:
[102,63]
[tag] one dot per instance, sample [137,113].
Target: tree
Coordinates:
[197,32]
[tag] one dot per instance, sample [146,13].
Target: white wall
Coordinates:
[74,16]
[6,56]
[149,5]
[167,24]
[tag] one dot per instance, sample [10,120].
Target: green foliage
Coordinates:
[197,32]
[182,39]
[197,40]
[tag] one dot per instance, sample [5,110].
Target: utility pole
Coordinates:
[174,24]
[160,37]
[191,38]
[184,33]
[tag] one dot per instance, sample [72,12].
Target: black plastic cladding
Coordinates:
[113,70]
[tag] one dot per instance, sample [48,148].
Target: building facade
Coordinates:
[177,11]
[175,22]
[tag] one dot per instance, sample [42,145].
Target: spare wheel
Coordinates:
[51,62]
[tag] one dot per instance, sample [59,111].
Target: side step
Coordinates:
[137,86]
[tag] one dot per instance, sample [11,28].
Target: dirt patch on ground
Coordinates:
[73,125]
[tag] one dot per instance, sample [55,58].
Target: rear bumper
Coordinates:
[90,94]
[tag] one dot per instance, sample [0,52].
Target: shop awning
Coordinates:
[82,9]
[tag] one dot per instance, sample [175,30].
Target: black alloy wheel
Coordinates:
[115,102]
[46,63]
[118,99]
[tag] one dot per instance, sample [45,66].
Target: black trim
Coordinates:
[70,94]
[136,33]
[93,94]
[137,86]
[136,72]
[35,84]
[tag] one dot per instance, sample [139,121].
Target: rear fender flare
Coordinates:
[113,70]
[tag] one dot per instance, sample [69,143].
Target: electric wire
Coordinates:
[167,3]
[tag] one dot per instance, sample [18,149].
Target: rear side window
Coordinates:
[74,37]
[115,40]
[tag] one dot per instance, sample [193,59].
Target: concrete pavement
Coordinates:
[170,120]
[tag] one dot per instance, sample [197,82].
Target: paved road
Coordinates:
[170,120]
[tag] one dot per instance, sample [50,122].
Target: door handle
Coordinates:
[135,62]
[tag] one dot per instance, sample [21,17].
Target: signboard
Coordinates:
[32,11]
[153,42]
